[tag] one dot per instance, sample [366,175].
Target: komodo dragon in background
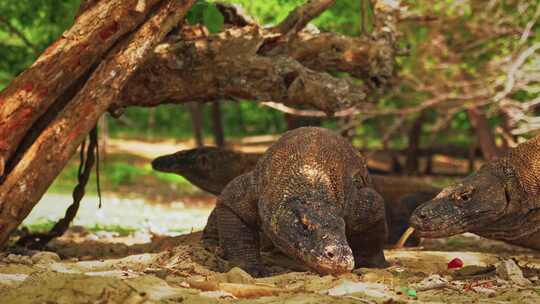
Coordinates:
[500,201]
[311,195]
[211,169]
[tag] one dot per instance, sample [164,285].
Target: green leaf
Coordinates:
[195,14]
[213,19]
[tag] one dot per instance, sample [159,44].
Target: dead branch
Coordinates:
[25,185]
[301,16]
[308,113]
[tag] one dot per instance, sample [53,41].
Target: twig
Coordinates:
[510,81]
[529,26]
[309,113]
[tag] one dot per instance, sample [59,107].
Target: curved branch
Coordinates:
[301,16]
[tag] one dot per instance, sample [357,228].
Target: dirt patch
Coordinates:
[179,270]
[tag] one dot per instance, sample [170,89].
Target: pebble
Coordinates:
[509,270]
[45,257]
[19,259]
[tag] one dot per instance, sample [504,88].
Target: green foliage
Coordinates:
[119,171]
[41,22]
[207,14]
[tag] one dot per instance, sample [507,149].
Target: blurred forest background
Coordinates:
[467,88]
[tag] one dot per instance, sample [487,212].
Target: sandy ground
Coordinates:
[178,270]
[137,214]
[156,265]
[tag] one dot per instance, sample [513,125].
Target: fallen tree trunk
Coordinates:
[25,185]
[61,65]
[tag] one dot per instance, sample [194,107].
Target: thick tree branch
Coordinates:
[227,66]
[25,185]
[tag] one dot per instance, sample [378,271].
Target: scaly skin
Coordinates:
[500,201]
[211,169]
[311,195]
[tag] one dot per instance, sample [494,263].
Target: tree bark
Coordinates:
[196,122]
[412,163]
[222,67]
[61,65]
[484,133]
[29,179]
[217,125]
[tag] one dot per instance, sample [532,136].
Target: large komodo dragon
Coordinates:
[500,201]
[311,195]
[211,169]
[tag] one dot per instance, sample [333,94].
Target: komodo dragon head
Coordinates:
[208,168]
[310,231]
[491,202]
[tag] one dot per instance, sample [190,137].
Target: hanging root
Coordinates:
[87,159]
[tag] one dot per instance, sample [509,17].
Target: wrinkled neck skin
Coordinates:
[519,223]
[521,227]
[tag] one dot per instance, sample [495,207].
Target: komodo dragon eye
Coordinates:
[464,196]
[307,224]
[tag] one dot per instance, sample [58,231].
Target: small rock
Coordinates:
[348,287]
[19,259]
[91,237]
[509,270]
[432,282]
[487,291]
[45,257]
[235,275]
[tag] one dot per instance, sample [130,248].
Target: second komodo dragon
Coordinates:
[311,195]
[212,168]
[500,201]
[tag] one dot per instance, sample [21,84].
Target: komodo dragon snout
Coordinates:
[470,205]
[314,235]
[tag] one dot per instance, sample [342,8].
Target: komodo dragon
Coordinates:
[500,201]
[311,195]
[211,169]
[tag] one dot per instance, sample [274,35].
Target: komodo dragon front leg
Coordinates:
[237,219]
[367,237]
